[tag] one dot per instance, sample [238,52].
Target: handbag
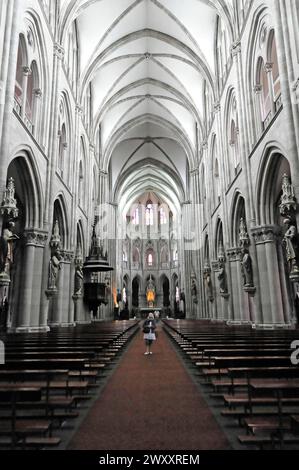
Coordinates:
[146,329]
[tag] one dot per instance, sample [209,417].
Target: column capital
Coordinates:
[103,173]
[92,148]
[233,254]
[26,70]
[204,145]
[79,109]
[35,237]
[37,92]
[258,89]
[236,48]
[295,85]
[194,172]
[265,234]
[68,256]
[215,265]
[217,107]
[268,67]
[58,51]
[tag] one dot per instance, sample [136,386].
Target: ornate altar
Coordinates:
[150,293]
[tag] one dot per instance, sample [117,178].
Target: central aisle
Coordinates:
[150,403]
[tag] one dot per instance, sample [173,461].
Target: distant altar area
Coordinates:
[144,311]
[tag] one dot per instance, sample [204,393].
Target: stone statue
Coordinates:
[54,267]
[290,241]
[222,277]
[246,267]
[150,292]
[288,200]
[4,306]
[6,247]
[150,285]
[56,258]
[243,235]
[78,278]
[194,289]
[209,285]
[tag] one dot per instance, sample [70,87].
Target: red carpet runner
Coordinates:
[150,403]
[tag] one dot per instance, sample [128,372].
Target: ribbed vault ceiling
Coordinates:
[148,62]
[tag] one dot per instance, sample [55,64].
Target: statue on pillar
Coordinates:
[56,258]
[288,207]
[208,281]
[182,302]
[243,235]
[246,267]
[288,201]
[6,247]
[246,261]
[54,267]
[194,288]
[78,274]
[290,241]
[222,276]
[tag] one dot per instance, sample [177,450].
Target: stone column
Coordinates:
[7,53]
[258,109]
[265,238]
[233,255]
[26,73]
[195,184]
[7,82]
[269,72]
[29,312]
[217,310]
[289,95]
[53,141]
[37,113]
[189,268]
[244,131]
[64,295]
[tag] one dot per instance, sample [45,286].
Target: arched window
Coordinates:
[81,185]
[71,55]
[94,188]
[223,52]
[164,255]
[268,85]
[19,82]
[64,133]
[233,138]
[234,142]
[149,214]
[136,256]
[124,295]
[204,194]
[27,90]
[136,216]
[263,82]
[163,218]
[32,86]
[177,294]
[150,259]
[275,68]
[216,183]
[62,149]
